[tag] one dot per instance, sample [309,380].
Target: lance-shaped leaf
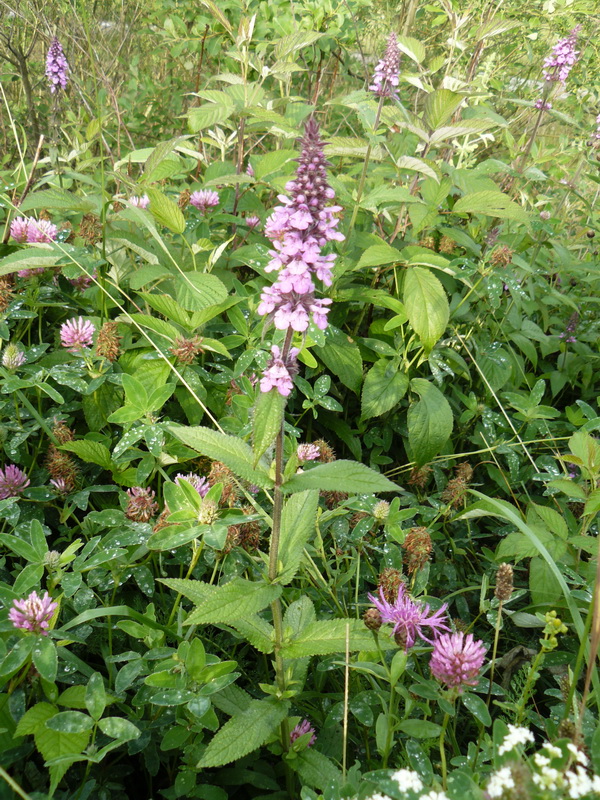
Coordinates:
[268,418]
[426,304]
[329,636]
[297,526]
[352,477]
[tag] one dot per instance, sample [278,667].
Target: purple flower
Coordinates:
[409,619]
[250,170]
[56,66]
[545,215]
[18,229]
[569,332]
[543,104]
[204,199]
[61,485]
[140,202]
[457,659]
[253,221]
[302,728]
[34,613]
[141,506]
[308,452]
[83,281]
[12,481]
[386,77]
[572,470]
[12,357]
[32,231]
[279,372]
[201,485]
[77,334]
[563,57]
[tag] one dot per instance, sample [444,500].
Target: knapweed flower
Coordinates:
[407,780]
[299,229]
[516,736]
[501,781]
[386,77]
[201,485]
[410,619]
[307,452]
[280,372]
[56,66]
[302,728]
[34,613]
[140,202]
[12,357]
[204,199]
[12,481]
[457,659]
[563,57]
[141,505]
[77,334]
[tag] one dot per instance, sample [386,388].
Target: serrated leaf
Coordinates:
[383,389]
[440,106]
[426,305]
[165,211]
[267,422]
[491,204]
[329,636]
[244,733]
[196,291]
[430,421]
[90,452]
[342,356]
[379,254]
[315,769]
[234,453]
[209,114]
[418,165]
[30,258]
[353,477]
[297,526]
[59,199]
[257,631]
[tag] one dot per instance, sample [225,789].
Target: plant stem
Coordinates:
[443,750]
[495,650]
[13,785]
[363,175]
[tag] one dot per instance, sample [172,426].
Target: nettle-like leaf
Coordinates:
[233,452]
[491,204]
[267,422]
[430,421]
[165,211]
[351,476]
[341,355]
[297,526]
[244,733]
[238,599]
[330,636]
[426,305]
[90,451]
[383,388]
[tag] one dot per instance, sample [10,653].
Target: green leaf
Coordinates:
[413,48]
[315,769]
[119,728]
[59,199]
[16,657]
[207,115]
[44,658]
[235,600]
[342,356]
[419,728]
[329,636]
[161,161]
[244,733]
[95,696]
[268,418]
[491,204]
[70,722]
[379,254]
[174,536]
[165,211]
[430,421]
[198,290]
[383,389]
[30,258]
[90,451]
[257,631]
[234,453]
[440,106]
[352,477]
[477,707]
[426,305]
[543,585]
[297,526]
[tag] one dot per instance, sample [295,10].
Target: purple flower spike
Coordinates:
[56,67]
[12,481]
[410,619]
[34,613]
[77,334]
[204,199]
[563,58]
[457,659]
[387,72]
[201,485]
[279,373]
[302,728]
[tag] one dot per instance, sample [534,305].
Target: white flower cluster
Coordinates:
[516,736]
[500,782]
[409,781]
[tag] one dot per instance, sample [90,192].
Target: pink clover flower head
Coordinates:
[410,619]
[77,334]
[563,57]
[250,170]
[18,229]
[457,659]
[56,66]
[308,452]
[41,230]
[204,199]
[387,71]
[83,282]
[34,613]
[201,485]
[302,728]
[60,485]
[253,221]
[12,481]
[140,202]
[12,357]
[279,372]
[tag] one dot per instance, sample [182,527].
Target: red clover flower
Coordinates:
[204,199]
[201,485]
[410,619]
[77,334]
[12,481]
[56,67]
[308,452]
[32,231]
[302,728]
[34,613]
[12,357]
[457,659]
[140,202]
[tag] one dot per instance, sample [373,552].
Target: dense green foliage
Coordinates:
[456,382]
